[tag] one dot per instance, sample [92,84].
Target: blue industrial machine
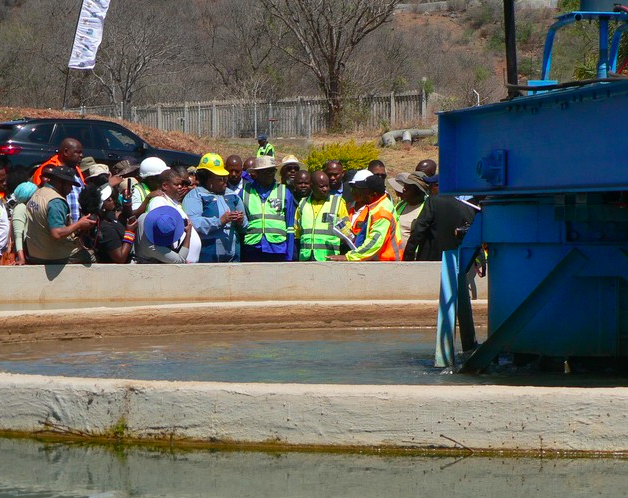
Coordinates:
[553,175]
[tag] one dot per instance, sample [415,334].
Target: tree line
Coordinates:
[191,50]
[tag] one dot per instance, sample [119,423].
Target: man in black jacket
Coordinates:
[434,231]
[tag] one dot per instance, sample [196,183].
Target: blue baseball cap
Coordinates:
[262,136]
[431,179]
[163,226]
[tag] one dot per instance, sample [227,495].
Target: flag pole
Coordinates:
[67,75]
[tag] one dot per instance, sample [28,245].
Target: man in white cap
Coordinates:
[270,211]
[358,210]
[148,187]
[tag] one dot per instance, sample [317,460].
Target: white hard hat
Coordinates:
[152,166]
[360,176]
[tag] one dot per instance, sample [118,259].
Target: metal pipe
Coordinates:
[512,76]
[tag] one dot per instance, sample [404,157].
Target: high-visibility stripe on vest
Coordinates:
[390,250]
[266,218]
[317,234]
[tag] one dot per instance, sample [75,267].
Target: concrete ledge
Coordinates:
[217,318]
[476,417]
[223,282]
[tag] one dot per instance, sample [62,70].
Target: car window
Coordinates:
[118,139]
[35,133]
[81,132]
[5,132]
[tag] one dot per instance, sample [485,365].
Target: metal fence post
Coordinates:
[270,116]
[186,116]
[160,118]
[213,128]
[393,113]
[309,120]
[255,119]
[299,117]
[198,120]
[232,120]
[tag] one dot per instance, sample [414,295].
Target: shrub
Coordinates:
[350,154]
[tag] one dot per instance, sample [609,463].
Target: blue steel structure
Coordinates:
[554,173]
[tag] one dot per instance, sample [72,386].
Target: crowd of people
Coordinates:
[71,209]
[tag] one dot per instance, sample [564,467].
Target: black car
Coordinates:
[28,142]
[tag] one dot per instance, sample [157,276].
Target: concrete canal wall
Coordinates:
[473,417]
[326,281]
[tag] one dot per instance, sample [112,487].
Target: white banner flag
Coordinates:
[88,34]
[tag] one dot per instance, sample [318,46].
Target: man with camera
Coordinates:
[51,237]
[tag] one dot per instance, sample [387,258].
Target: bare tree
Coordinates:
[137,48]
[325,34]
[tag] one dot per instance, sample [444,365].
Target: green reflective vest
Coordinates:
[265,218]
[317,235]
[267,150]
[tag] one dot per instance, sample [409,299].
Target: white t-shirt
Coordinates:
[195,240]
[4,227]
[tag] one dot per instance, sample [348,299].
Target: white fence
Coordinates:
[301,116]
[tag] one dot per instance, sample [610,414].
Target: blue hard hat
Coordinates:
[262,136]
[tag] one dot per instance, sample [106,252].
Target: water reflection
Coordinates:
[33,469]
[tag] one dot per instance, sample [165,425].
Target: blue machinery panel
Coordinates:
[553,172]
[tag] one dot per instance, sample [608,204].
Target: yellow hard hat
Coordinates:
[214,163]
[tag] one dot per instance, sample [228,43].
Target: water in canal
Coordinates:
[32,469]
[363,356]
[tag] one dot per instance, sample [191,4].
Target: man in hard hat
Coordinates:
[149,185]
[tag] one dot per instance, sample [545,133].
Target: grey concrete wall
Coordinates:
[222,282]
[476,417]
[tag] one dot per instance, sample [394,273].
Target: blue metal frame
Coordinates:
[606,59]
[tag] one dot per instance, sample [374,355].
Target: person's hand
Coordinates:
[230,216]
[336,257]
[20,260]
[155,193]
[188,227]
[115,180]
[131,224]
[86,223]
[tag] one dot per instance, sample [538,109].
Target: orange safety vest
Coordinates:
[53,161]
[391,249]
[356,226]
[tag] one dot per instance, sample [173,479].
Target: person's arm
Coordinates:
[19,227]
[419,232]
[141,206]
[193,206]
[120,254]
[57,214]
[373,242]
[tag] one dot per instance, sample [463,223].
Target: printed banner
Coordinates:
[88,34]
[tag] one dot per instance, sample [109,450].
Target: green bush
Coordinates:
[350,154]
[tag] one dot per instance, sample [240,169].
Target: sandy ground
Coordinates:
[219,318]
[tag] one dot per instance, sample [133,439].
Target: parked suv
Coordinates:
[28,142]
